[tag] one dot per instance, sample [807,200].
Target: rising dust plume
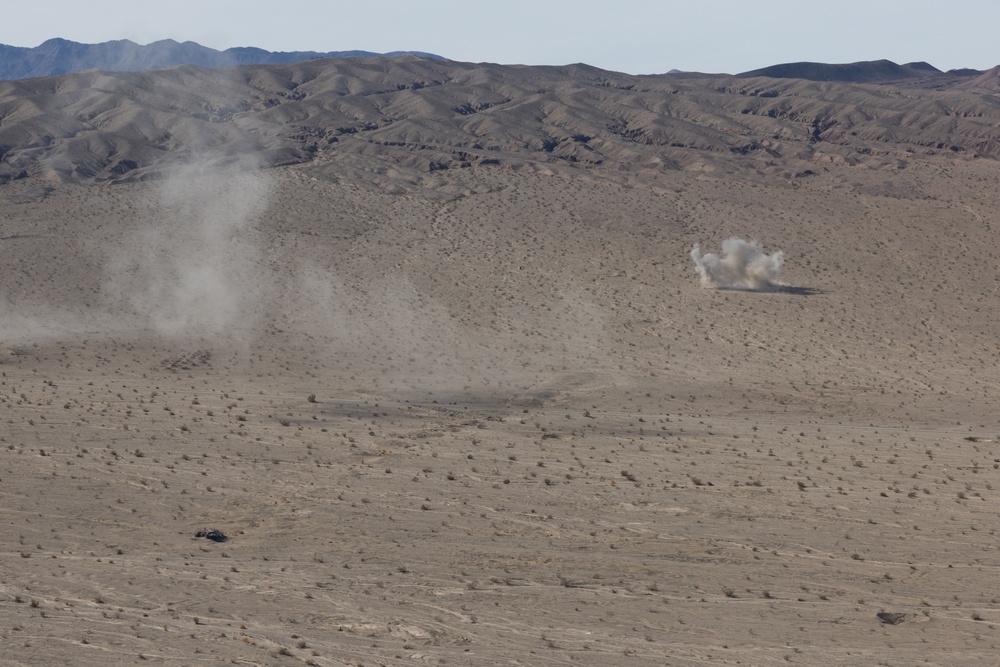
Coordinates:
[195,270]
[743,265]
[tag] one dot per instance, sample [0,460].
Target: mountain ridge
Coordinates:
[406,118]
[59,56]
[859,72]
[867,71]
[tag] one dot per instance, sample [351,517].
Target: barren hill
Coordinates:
[429,115]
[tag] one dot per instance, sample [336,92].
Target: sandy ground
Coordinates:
[496,420]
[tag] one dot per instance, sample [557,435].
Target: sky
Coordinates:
[634,36]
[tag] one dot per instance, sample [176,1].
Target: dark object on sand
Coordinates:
[891,618]
[212,534]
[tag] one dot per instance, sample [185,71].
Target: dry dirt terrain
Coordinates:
[481,411]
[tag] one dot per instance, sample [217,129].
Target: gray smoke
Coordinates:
[743,265]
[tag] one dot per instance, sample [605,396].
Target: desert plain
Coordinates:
[455,403]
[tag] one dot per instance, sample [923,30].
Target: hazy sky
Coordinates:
[635,36]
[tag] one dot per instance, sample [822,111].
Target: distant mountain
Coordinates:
[61,56]
[985,82]
[874,71]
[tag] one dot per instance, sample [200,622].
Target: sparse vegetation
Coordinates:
[526,398]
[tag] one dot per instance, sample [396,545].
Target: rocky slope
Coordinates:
[424,115]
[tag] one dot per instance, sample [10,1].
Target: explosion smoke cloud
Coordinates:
[743,265]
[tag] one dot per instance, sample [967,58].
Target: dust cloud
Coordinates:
[742,265]
[196,270]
